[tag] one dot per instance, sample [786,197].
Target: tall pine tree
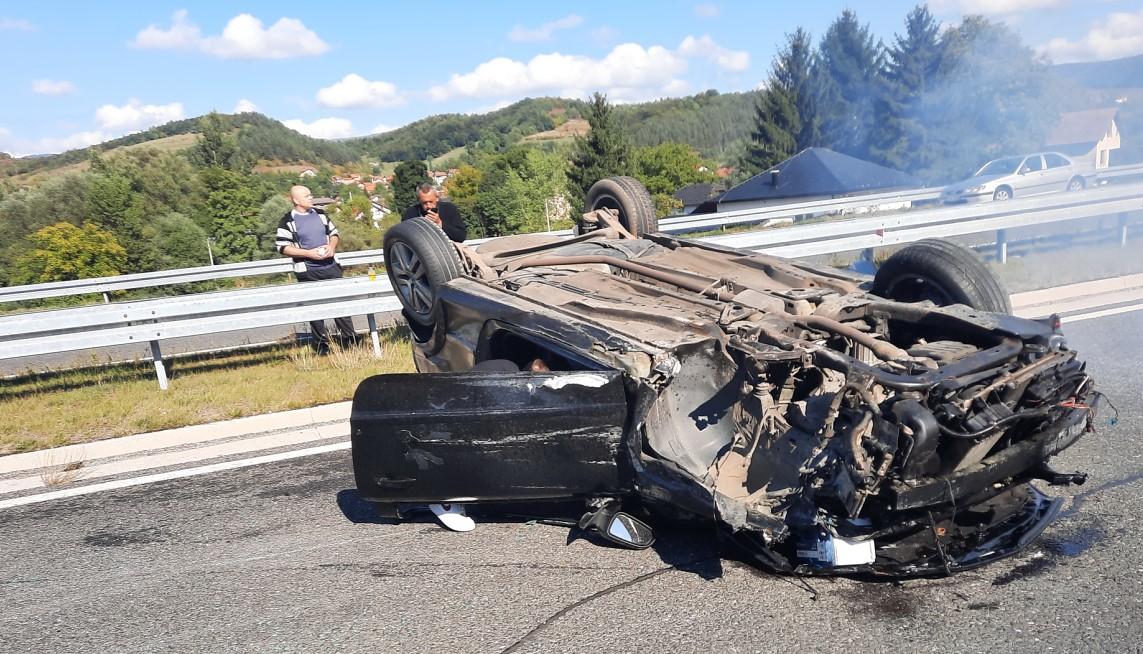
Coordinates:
[847,83]
[605,151]
[785,120]
[912,68]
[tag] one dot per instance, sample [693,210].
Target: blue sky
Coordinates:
[79,73]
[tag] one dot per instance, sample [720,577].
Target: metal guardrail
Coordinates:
[673,225]
[152,321]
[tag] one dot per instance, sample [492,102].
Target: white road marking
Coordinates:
[1100,314]
[174,474]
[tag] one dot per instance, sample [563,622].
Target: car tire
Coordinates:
[419,258]
[630,198]
[1001,194]
[943,272]
[1076,184]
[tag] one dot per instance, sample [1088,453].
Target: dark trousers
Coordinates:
[346,333]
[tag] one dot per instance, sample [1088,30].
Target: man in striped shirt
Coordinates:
[311,239]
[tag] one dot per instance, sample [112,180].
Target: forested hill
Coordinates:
[710,122]
[258,137]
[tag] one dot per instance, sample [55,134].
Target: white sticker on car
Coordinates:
[586,379]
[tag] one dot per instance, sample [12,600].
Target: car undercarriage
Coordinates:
[823,428]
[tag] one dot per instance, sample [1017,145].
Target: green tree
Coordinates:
[64,252]
[785,119]
[215,147]
[463,190]
[271,212]
[109,200]
[604,152]
[847,82]
[911,72]
[181,242]
[667,167]
[978,110]
[521,191]
[406,177]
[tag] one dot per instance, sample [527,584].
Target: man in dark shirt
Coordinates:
[442,214]
[311,239]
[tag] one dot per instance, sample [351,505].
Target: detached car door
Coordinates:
[489,436]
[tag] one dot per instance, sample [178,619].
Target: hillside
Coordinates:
[1117,73]
[259,137]
[711,122]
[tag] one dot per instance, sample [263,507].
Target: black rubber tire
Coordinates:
[419,258]
[630,197]
[1007,194]
[944,272]
[1076,184]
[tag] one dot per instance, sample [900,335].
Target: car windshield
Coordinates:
[1005,166]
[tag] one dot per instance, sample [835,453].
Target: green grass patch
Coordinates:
[50,409]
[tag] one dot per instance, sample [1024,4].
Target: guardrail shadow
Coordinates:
[33,382]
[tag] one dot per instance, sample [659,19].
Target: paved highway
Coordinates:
[284,558]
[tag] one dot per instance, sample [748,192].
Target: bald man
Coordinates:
[310,238]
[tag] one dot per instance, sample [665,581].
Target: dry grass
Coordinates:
[78,406]
[58,471]
[564,132]
[166,144]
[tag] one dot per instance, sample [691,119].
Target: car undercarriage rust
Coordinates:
[825,429]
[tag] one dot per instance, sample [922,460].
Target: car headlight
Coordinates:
[974,189]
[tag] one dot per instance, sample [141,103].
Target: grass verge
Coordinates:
[81,405]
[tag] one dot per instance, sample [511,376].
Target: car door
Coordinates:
[489,436]
[1030,180]
[1058,174]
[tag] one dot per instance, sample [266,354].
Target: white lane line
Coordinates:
[186,457]
[174,474]
[1101,314]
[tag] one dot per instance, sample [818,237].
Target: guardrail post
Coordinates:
[1002,245]
[160,369]
[373,336]
[1123,229]
[106,297]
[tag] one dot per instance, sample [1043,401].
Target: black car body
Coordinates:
[823,428]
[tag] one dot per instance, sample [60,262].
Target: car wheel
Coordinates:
[1002,193]
[630,198]
[1075,184]
[942,272]
[419,258]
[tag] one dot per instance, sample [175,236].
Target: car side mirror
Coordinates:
[618,527]
[628,531]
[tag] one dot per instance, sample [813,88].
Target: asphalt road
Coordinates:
[284,558]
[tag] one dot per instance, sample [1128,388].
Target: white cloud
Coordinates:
[707,10]
[544,32]
[16,24]
[996,7]
[244,106]
[52,87]
[322,128]
[381,128]
[1119,35]
[704,47]
[182,34]
[355,91]
[627,66]
[135,116]
[244,37]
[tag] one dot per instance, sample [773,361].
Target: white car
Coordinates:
[1019,176]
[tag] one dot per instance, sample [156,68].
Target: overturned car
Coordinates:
[827,424]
